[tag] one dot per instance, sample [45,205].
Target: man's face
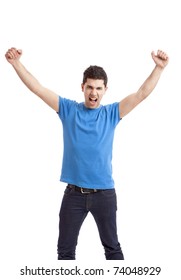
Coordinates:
[93,92]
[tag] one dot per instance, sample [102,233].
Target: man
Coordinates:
[88,132]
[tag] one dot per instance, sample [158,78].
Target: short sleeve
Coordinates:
[114,114]
[65,106]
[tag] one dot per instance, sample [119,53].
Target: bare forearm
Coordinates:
[48,96]
[27,78]
[131,101]
[150,83]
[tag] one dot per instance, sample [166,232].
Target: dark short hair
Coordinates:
[96,73]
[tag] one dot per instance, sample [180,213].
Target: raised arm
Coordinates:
[49,97]
[131,101]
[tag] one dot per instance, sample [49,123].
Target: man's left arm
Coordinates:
[131,101]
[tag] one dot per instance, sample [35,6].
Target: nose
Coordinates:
[93,92]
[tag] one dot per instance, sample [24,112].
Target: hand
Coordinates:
[161,59]
[13,55]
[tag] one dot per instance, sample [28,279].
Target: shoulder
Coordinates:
[65,106]
[112,110]
[65,101]
[112,106]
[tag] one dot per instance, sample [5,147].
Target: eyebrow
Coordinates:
[91,87]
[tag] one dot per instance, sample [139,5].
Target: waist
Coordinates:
[84,190]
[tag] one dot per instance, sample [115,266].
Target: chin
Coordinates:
[93,106]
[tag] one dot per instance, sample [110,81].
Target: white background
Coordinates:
[60,39]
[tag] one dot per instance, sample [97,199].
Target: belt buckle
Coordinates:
[84,192]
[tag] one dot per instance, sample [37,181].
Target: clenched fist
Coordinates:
[13,54]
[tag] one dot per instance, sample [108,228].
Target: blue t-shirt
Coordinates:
[88,141]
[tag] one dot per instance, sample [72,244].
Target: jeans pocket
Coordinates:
[109,193]
[68,191]
[110,200]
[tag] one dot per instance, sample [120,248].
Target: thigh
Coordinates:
[72,213]
[104,204]
[104,212]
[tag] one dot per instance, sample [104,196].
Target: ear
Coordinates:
[106,88]
[82,87]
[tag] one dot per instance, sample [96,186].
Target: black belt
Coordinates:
[84,190]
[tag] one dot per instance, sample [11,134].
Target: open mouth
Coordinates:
[92,100]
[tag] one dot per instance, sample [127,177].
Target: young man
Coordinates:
[88,132]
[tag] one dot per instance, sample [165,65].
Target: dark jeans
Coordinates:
[75,207]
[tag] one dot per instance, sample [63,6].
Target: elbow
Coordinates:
[39,90]
[143,94]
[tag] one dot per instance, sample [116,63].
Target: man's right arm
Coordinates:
[49,97]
